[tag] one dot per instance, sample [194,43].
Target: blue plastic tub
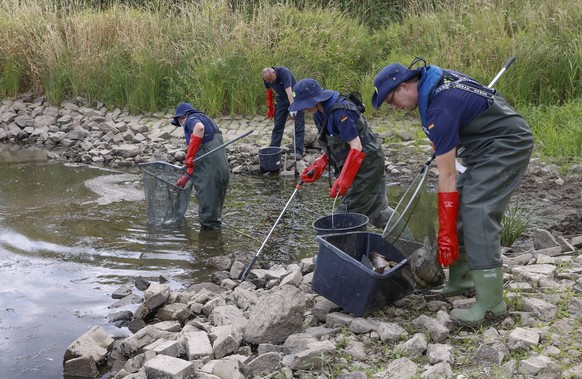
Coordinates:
[341,277]
[270,159]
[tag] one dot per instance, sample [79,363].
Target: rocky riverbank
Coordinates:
[273,325]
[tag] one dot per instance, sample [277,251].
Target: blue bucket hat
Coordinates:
[388,79]
[307,93]
[182,110]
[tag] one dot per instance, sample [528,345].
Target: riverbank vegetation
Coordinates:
[150,55]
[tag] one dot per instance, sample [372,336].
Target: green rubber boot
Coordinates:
[490,303]
[460,280]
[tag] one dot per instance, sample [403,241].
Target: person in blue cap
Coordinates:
[350,149]
[467,120]
[280,81]
[210,175]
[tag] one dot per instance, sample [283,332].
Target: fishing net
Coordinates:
[166,202]
[411,230]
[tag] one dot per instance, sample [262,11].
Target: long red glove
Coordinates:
[351,166]
[183,180]
[317,168]
[448,245]
[192,149]
[270,104]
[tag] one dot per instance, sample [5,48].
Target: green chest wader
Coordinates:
[367,194]
[496,148]
[210,179]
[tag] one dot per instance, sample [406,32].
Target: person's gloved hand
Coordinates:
[344,181]
[270,104]
[192,149]
[448,244]
[293,114]
[183,180]
[317,168]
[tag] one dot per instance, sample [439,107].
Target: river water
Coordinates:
[70,235]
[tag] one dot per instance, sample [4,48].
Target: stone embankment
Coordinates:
[274,326]
[77,133]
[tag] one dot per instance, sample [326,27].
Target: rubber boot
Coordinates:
[489,289]
[460,280]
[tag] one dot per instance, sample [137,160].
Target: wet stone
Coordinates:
[130,299]
[141,283]
[122,292]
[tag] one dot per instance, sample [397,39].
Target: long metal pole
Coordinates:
[223,145]
[250,266]
[507,64]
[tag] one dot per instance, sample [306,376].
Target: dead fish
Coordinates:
[380,262]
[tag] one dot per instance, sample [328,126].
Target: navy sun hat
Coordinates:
[307,93]
[182,110]
[388,79]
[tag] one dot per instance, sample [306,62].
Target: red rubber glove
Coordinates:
[317,168]
[270,104]
[448,245]
[183,180]
[351,166]
[192,149]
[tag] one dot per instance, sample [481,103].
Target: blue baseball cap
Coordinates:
[307,93]
[182,110]
[388,79]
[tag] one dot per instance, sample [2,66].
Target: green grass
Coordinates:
[148,56]
[514,223]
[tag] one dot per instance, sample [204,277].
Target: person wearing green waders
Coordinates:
[350,149]
[466,120]
[209,175]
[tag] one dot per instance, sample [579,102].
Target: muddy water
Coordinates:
[72,234]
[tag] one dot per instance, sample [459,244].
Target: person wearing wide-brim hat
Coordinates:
[209,175]
[468,120]
[350,149]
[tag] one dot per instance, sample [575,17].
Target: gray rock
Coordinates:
[276,316]
[311,358]
[163,366]
[362,325]
[521,338]
[490,355]
[227,315]
[263,364]
[322,307]
[543,239]
[94,344]
[298,342]
[225,340]
[536,364]
[437,331]
[126,150]
[440,353]
[390,332]
[84,367]
[197,345]
[165,347]
[401,368]
[413,347]
[441,370]
[338,319]
[544,310]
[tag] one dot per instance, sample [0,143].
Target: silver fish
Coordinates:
[380,262]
